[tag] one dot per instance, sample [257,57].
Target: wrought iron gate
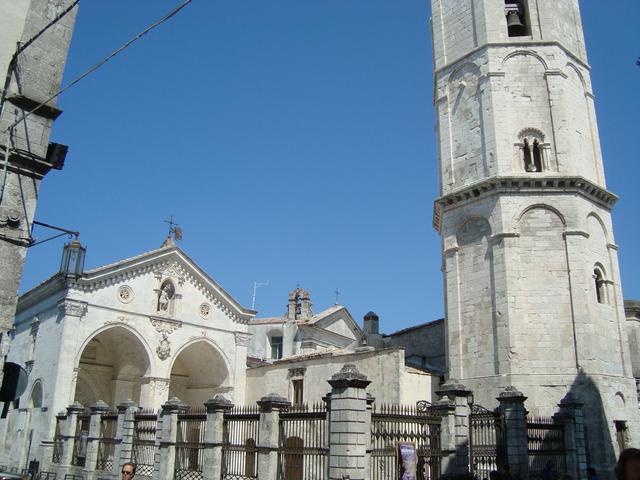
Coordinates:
[240,444]
[144,441]
[397,423]
[487,445]
[545,442]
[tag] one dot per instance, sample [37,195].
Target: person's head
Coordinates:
[628,466]
[591,472]
[128,471]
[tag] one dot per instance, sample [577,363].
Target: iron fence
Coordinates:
[240,440]
[144,441]
[545,438]
[79,455]
[303,448]
[190,444]
[58,442]
[487,445]
[394,424]
[107,441]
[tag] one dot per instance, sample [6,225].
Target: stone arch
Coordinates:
[597,218]
[530,53]
[542,206]
[199,371]
[112,363]
[619,400]
[36,398]
[472,230]
[578,74]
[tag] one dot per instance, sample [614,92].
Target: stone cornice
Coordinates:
[520,186]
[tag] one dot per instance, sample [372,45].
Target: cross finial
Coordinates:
[174,229]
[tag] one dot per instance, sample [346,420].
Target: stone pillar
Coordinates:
[213,437]
[165,463]
[455,402]
[97,409]
[570,415]
[515,423]
[270,407]
[447,409]
[124,435]
[347,424]
[69,433]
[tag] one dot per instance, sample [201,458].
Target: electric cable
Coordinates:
[102,62]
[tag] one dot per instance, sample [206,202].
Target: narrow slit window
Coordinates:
[599,285]
[537,157]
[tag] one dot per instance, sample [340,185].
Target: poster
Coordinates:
[407,461]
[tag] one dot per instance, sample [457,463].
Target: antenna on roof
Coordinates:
[257,285]
[174,229]
[337,292]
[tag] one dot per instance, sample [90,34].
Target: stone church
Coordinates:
[533,297]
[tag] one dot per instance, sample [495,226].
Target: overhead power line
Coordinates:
[102,62]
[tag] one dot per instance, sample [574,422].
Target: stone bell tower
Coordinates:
[533,295]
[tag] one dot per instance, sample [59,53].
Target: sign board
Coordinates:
[407,461]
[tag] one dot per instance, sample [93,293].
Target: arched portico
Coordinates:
[198,373]
[111,367]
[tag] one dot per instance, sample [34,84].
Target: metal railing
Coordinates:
[393,424]
[545,439]
[239,444]
[303,448]
[107,441]
[58,442]
[79,455]
[144,441]
[486,441]
[190,444]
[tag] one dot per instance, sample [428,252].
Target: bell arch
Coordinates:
[199,371]
[111,365]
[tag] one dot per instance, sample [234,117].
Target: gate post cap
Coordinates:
[75,407]
[349,376]
[218,403]
[126,405]
[173,405]
[99,407]
[452,388]
[273,401]
[511,394]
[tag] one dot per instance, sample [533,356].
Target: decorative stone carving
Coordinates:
[158,384]
[165,326]
[28,366]
[297,372]
[205,310]
[125,294]
[72,308]
[164,349]
[242,339]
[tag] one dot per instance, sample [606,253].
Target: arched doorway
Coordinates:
[198,373]
[111,367]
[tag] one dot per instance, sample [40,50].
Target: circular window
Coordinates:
[125,294]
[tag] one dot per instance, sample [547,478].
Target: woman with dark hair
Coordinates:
[628,466]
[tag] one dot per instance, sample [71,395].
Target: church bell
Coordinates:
[514,24]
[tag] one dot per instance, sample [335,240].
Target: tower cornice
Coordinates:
[514,185]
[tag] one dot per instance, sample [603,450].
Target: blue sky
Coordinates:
[293,141]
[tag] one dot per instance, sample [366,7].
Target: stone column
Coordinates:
[455,402]
[165,463]
[570,415]
[515,423]
[124,435]
[268,433]
[347,425]
[213,437]
[93,441]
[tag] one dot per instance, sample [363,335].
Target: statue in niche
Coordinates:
[164,297]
